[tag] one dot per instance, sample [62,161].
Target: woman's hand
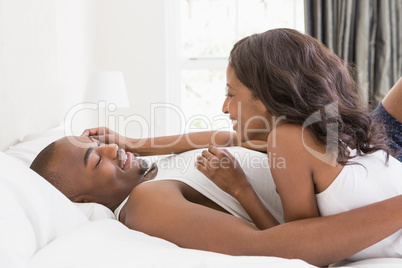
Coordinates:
[107,136]
[222,168]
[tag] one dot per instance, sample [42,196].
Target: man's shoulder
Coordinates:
[155,189]
[150,201]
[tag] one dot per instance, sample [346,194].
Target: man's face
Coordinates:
[98,172]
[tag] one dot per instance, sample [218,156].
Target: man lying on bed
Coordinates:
[172,210]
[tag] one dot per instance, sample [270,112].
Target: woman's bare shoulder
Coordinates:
[285,136]
[293,137]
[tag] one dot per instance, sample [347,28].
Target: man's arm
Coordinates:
[160,209]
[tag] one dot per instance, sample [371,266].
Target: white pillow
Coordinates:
[29,148]
[32,213]
[95,211]
[31,145]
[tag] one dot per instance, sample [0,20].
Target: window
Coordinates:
[201,34]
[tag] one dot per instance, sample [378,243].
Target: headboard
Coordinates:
[29,94]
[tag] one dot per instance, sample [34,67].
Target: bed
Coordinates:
[40,227]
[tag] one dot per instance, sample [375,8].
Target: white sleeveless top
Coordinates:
[181,167]
[368,181]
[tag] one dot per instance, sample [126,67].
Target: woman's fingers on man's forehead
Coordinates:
[107,139]
[94,131]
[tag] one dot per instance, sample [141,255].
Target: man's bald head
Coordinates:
[42,165]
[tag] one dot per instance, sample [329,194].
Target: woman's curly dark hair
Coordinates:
[294,75]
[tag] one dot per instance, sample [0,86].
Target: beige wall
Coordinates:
[130,37]
[28,73]
[48,48]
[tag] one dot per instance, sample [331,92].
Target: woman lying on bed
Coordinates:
[337,157]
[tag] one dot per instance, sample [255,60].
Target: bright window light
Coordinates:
[201,34]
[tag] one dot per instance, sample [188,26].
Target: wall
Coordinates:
[28,73]
[48,48]
[75,41]
[130,37]
[115,35]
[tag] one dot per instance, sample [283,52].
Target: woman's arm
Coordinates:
[222,168]
[167,144]
[159,209]
[181,143]
[294,179]
[172,144]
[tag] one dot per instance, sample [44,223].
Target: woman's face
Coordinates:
[251,119]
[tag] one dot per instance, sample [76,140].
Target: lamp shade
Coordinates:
[109,87]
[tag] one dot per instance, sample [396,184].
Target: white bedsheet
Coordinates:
[41,228]
[108,243]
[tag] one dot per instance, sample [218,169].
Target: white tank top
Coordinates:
[368,181]
[181,167]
